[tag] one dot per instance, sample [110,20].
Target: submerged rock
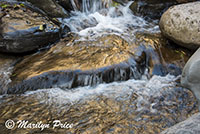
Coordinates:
[181,24]
[189,126]
[191,75]
[159,54]
[23,30]
[106,59]
[79,63]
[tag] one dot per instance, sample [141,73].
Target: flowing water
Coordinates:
[100,17]
[145,106]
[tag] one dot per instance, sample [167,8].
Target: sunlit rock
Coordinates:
[181,24]
[79,63]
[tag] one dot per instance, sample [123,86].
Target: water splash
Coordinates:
[144,87]
[99,17]
[5,73]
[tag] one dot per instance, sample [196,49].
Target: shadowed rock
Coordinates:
[152,9]
[49,7]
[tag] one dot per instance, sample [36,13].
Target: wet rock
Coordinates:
[79,63]
[189,126]
[121,1]
[106,59]
[152,9]
[159,55]
[49,7]
[181,24]
[23,30]
[191,75]
[66,4]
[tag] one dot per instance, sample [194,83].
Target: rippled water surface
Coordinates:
[145,106]
[134,106]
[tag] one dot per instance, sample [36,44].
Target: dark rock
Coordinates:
[152,9]
[23,30]
[49,7]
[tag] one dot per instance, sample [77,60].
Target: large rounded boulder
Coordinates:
[181,24]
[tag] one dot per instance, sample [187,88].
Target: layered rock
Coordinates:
[189,126]
[181,24]
[23,30]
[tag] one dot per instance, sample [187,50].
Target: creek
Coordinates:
[146,105]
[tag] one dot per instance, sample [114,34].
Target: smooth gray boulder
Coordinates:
[181,24]
[191,75]
[189,126]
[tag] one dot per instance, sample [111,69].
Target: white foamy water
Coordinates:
[101,20]
[5,74]
[144,88]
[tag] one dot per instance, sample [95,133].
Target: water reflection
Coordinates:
[135,106]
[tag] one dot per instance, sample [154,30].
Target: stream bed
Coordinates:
[146,105]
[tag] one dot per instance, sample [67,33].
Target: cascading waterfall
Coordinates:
[89,6]
[99,17]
